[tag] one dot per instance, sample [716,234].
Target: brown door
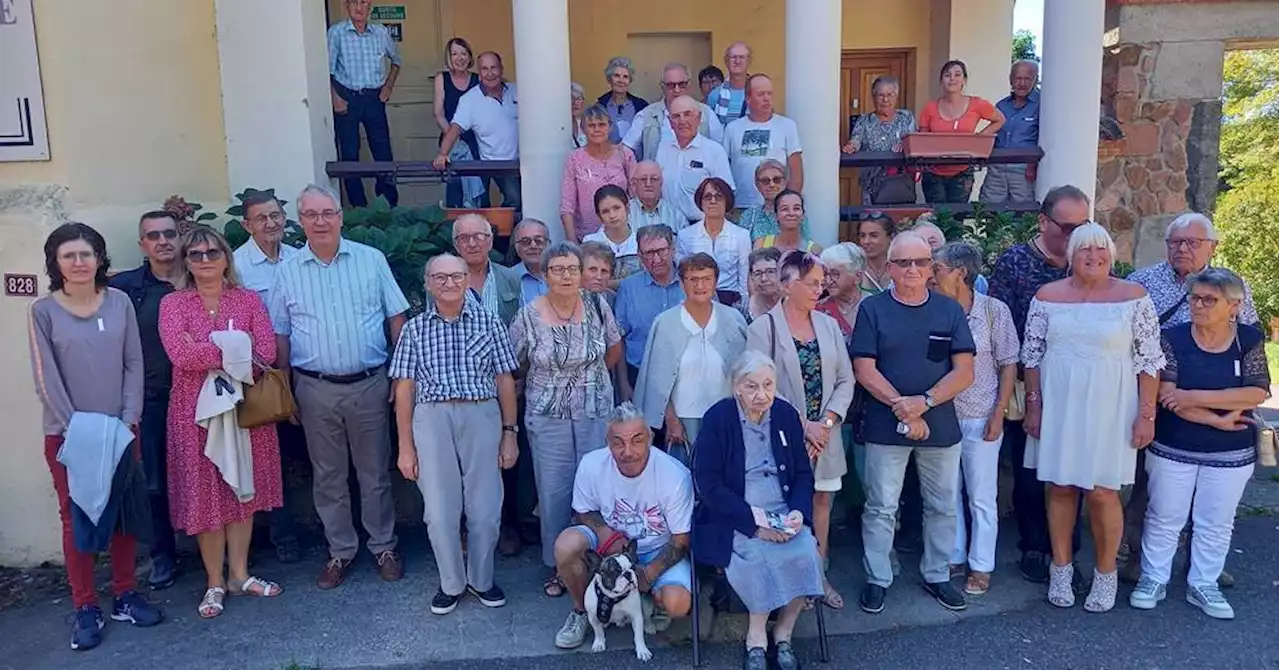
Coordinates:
[858,69]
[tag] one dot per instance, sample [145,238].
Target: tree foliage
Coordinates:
[1024,45]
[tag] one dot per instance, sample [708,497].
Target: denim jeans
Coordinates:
[939,189]
[508,186]
[153,440]
[368,110]
[939,469]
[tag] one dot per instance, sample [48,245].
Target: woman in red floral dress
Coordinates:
[202,504]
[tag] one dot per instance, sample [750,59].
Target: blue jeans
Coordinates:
[364,108]
[508,186]
[153,441]
[938,189]
[680,574]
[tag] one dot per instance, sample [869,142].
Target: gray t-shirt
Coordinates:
[89,364]
[912,347]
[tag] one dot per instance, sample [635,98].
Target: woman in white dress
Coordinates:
[1092,355]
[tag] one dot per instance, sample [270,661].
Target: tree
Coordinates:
[1024,45]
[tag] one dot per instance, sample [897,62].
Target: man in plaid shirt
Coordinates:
[455,404]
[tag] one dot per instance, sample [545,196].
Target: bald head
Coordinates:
[909,246]
[445,262]
[686,116]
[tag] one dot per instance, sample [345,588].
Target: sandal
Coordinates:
[257,587]
[977,583]
[1060,593]
[554,587]
[830,597]
[211,604]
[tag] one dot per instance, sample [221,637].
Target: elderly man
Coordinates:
[360,88]
[495,287]
[256,261]
[688,158]
[1021,130]
[645,295]
[455,418]
[628,493]
[146,285]
[648,207]
[331,306]
[489,110]
[764,289]
[652,127]
[728,100]
[1190,241]
[761,134]
[530,238]
[913,353]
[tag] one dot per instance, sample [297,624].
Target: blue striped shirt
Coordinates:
[355,58]
[334,315]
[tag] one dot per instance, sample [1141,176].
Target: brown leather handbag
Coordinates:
[267,401]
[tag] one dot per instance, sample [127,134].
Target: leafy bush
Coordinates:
[991,231]
[409,236]
[234,230]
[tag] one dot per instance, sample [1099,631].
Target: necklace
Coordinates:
[563,319]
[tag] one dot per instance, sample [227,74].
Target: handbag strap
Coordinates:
[1168,313]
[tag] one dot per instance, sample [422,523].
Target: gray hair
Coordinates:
[885,80]
[469,216]
[961,256]
[674,65]
[426,269]
[845,256]
[529,221]
[624,413]
[617,62]
[657,230]
[319,189]
[576,90]
[559,250]
[772,163]
[596,112]
[1226,282]
[1025,62]
[748,363]
[1190,219]
[900,240]
[1090,235]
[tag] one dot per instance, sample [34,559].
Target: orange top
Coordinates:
[932,121]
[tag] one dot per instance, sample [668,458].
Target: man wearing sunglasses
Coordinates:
[146,285]
[652,127]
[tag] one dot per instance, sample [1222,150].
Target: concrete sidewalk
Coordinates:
[368,624]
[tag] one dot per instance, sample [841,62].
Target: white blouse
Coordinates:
[701,380]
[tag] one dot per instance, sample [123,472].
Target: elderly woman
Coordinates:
[980,409]
[815,374]
[86,357]
[881,130]
[771,180]
[687,356]
[618,100]
[196,325]
[763,289]
[789,206]
[875,230]
[577,103]
[955,112]
[1091,353]
[845,265]
[1203,453]
[587,168]
[569,341]
[754,514]
[616,232]
[716,235]
[450,83]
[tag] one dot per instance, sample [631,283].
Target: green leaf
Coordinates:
[207,216]
[236,211]
[235,233]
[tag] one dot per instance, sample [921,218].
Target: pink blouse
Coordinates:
[583,176]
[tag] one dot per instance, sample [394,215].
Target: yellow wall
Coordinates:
[134,113]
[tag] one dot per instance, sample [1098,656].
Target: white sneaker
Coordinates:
[573,632]
[1147,594]
[1210,601]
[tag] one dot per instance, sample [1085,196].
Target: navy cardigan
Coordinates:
[720,476]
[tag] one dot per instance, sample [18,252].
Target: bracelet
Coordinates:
[1033,396]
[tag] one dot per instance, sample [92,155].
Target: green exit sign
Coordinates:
[387,13]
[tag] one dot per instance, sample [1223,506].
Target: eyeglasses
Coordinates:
[1191,243]
[774,181]
[908,262]
[699,281]
[1202,300]
[1066,227]
[563,271]
[654,179]
[471,238]
[203,255]
[329,215]
[764,274]
[446,278]
[673,85]
[526,242]
[77,257]
[155,235]
[274,217]
[712,196]
[656,253]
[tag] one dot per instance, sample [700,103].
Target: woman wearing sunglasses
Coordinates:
[206,501]
[762,220]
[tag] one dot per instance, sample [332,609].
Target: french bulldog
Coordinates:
[613,598]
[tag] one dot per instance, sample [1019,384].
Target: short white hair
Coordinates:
[1090,236]
[1189,219]
[576,90]
[624,413]
[846,256]
[900,240]
[319,189]
[748,363]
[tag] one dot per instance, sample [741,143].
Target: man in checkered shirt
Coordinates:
[455,404]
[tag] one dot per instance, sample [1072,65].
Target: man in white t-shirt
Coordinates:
[759,135]
[489,110]
[629,492]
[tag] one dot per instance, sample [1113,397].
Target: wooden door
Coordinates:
[650,52]
[858,70]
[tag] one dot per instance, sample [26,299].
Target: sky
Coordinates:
[1029,15]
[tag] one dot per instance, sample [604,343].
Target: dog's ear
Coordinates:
[592,560]
[630,550]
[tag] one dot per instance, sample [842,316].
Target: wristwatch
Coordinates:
[828,422]
[512,429]
[929,401]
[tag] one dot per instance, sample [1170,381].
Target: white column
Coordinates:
[813,95]
[274,66]
[1069,97]
[541,30]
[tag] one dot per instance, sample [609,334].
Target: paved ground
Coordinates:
[370,624]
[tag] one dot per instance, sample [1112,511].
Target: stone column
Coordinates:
[541,30]
[1069,99]
[276,111]
[813,86]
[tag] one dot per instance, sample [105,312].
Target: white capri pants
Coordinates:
[978,475]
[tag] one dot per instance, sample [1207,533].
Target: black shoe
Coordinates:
[494,597]
[162,573]
[444,603]
[133,608]
[946,595]
[785,657]
[288,551]
[86,628]
[508,541]
[755,660]
[872,599]
[1034,567]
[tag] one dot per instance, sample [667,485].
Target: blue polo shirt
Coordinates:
[640,300]
[1021,124]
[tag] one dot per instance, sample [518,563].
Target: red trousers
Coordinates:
[123,548]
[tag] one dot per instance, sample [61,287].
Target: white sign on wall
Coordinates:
[23,133]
